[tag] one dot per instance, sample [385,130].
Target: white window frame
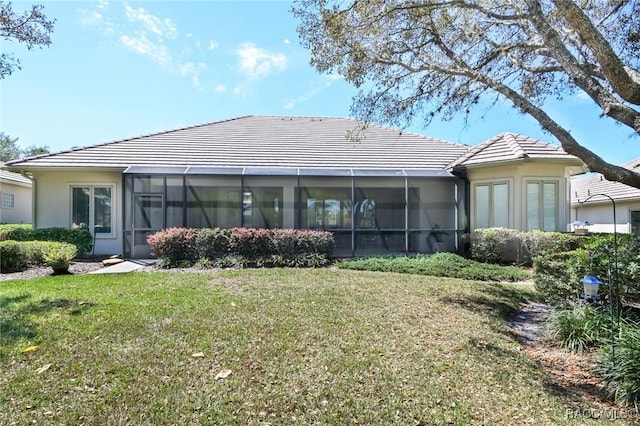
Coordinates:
[491,213]
[542,182]
[8,204]
[91,224]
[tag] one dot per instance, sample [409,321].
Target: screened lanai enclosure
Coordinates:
[368,211]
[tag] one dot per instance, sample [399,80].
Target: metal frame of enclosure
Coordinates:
[369,211]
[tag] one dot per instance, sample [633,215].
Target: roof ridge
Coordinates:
[512,142]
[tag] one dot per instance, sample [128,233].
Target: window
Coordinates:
[542,205]
[8,201]
[492,205]
[92,207]
[635,221]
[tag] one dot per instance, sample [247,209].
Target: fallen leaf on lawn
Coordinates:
[198,355]
[223,374]
[43,368]
[30,349]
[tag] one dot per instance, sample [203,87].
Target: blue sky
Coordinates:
[120,69]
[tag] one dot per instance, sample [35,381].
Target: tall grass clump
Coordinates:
[621,369]
[579,327]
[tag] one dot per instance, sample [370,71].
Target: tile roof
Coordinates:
[263,141]
[510,147]
[15,178]
[594,183]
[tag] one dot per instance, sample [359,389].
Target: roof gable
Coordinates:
[507,147]
[264,141]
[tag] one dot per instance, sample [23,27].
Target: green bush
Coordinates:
[580,326]
[501,245]
[19,255]
[80,237]
[439,264]
[60,254]
[622,371]
[241,247]
[12,256]
[211,243]
[557,275]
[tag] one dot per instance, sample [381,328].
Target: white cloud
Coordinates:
[90,17]
[286,41]
[103,4]
[141,44]
[192,69]
[221,88]
[163,28]
[319,86]
[257,63]
[212,45]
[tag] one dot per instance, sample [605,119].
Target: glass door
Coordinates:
[148,218]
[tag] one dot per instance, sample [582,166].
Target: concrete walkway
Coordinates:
[125,266]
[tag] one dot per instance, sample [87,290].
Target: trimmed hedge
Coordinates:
[80,237]
[241,247]
[19,255]
[501,245]
[557,275]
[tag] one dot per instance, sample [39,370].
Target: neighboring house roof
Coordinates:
[508,147]
[13,178]
[263,141]
[594,183]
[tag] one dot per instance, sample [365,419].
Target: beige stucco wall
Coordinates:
[52,196]
[600,215]
[517,174]
[21,211]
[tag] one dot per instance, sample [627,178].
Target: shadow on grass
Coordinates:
[497,300]
[16,314]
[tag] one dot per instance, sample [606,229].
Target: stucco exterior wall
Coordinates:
[600,215]
[21,211]
[52,194]
[517,175]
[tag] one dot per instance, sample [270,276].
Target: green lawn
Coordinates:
[304,346]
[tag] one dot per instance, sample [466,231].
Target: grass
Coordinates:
[304,346]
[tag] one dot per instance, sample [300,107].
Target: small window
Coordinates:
[92,207]
[8,201]
[492,205]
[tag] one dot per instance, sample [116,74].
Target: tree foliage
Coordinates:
[9,149]
[416,59]
[31,28]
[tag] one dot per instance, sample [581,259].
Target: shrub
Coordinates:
[622,373]
[241,247]
[439,264]
[18,255]
[211,243]
[579,326]
[500,245]
[557,275]
[12,256]
[174,246]
[59,254]
[80,237]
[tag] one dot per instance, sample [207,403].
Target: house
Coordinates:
[15,198]
[379,190]
[593,199]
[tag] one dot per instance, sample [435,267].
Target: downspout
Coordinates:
[34,192]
